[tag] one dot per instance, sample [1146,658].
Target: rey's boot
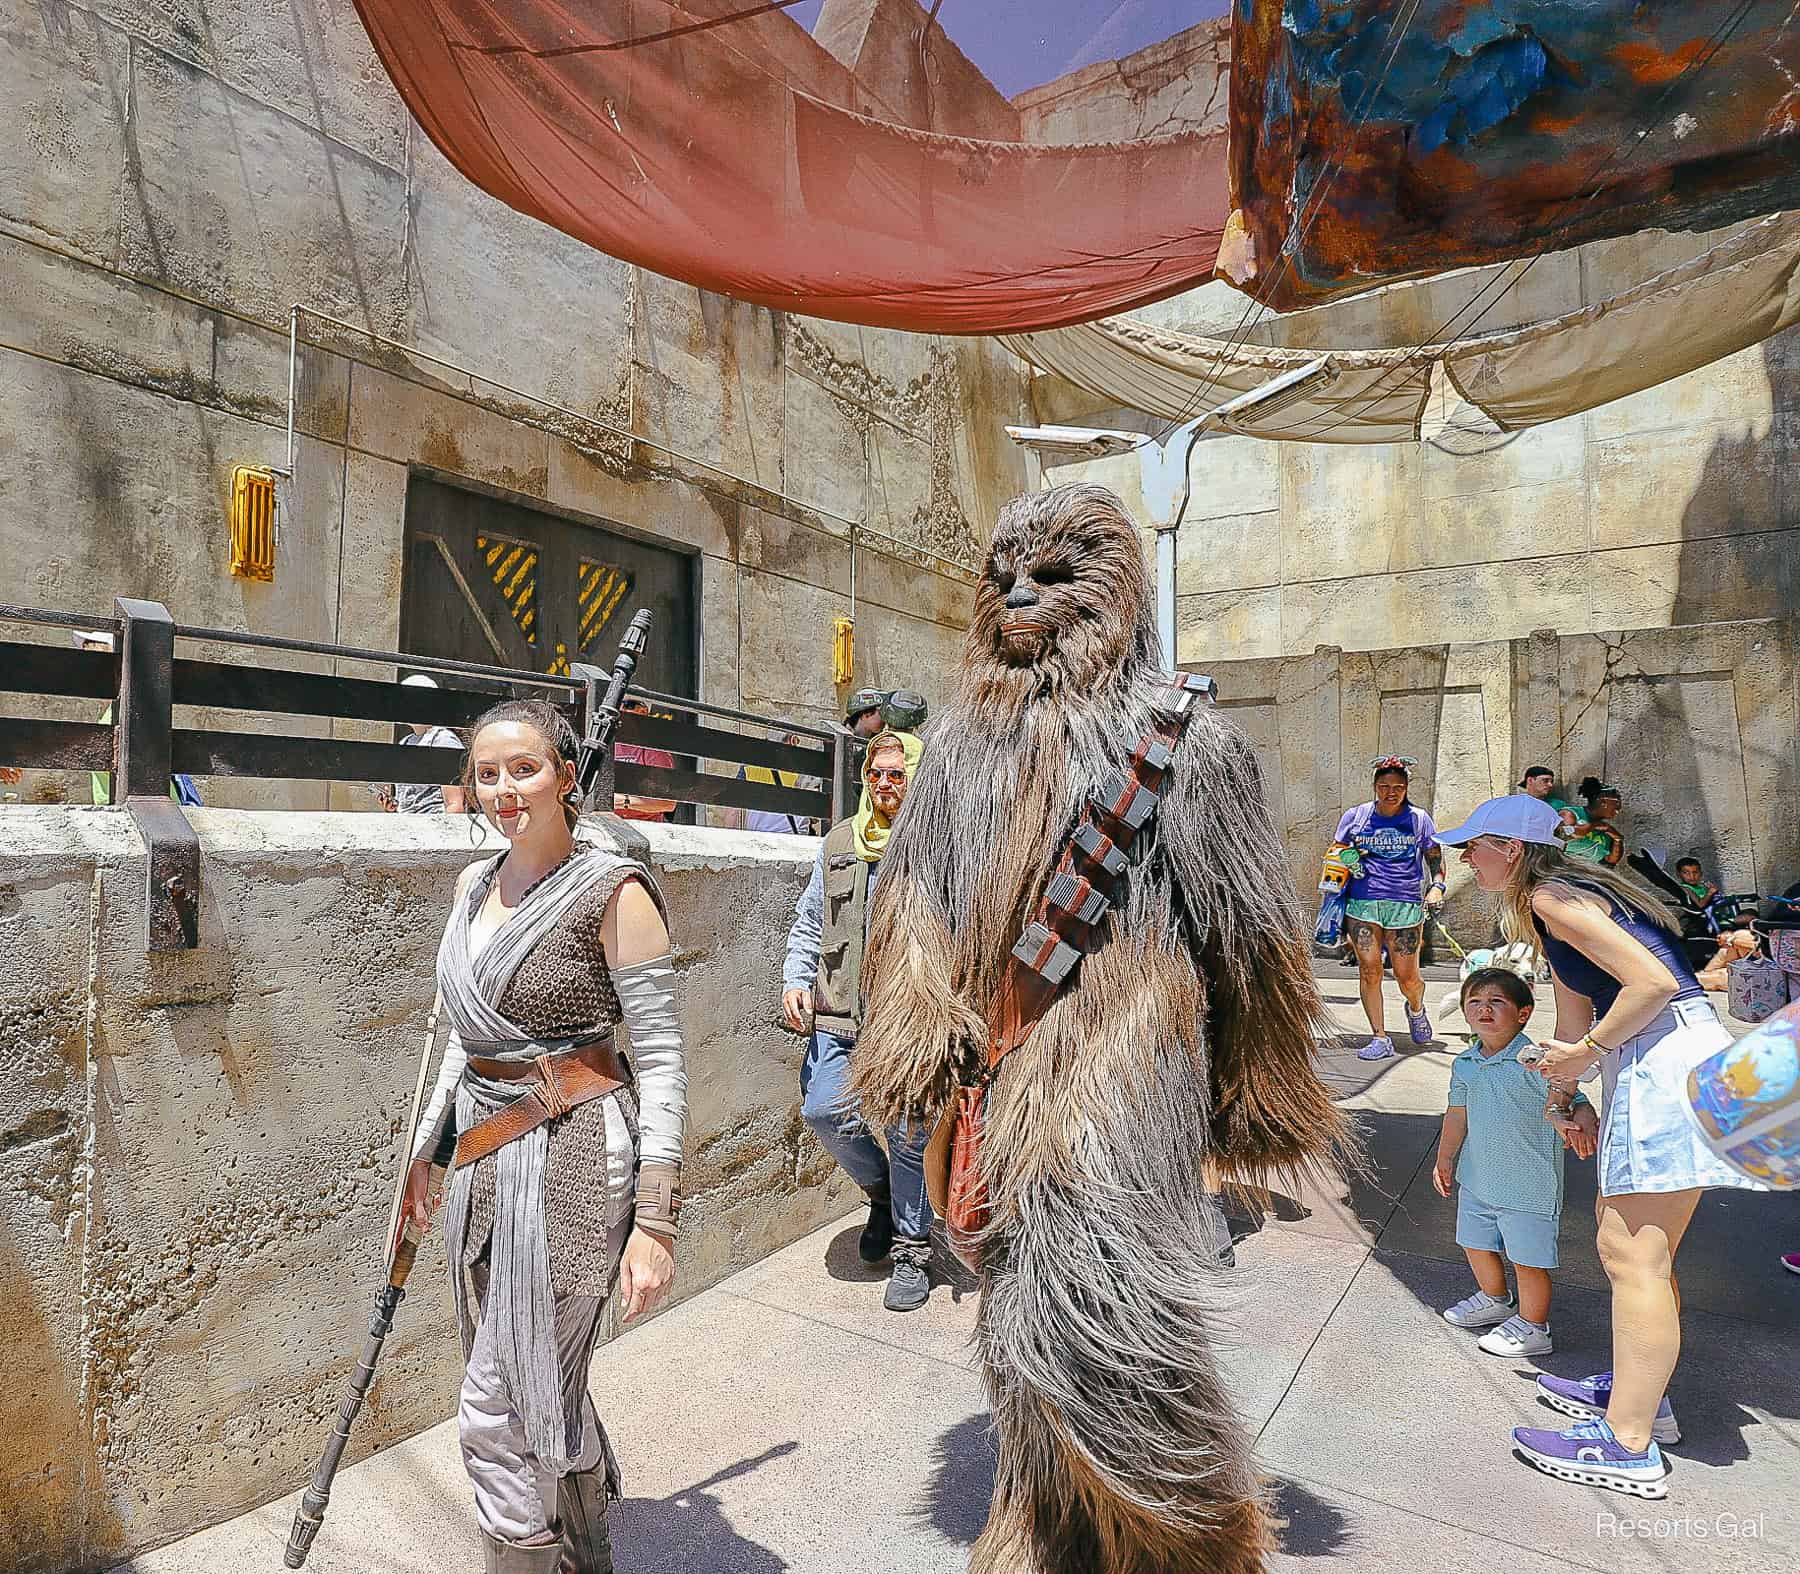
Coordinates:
[520,1557]
[586,1544]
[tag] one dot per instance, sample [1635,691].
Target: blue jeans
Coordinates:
[825,1104]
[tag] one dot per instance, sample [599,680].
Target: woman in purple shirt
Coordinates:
[1385,902]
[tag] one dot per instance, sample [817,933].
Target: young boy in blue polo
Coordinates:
[1506,1159]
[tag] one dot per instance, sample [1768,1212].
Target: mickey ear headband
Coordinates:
[1394,762]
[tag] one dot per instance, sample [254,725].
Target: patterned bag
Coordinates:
[1756,990]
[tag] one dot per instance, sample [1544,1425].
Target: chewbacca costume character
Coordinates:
[1187,1032]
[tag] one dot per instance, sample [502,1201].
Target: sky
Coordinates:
[1021,43]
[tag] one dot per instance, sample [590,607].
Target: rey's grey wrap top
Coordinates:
[542,1208]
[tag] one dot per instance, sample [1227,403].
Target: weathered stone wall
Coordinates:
[197,1149]
[1675,506]
[174,176]
[1180,83]
[1697,725]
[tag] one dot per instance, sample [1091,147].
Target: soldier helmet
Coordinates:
[904,709]
[863,701]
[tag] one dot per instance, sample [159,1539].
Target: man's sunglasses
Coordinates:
[882,775]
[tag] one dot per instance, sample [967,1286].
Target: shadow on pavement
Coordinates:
[844,1264]
[1727,1365]
[1358,1203]
[1306,1525]
[689,1530]
[962,1486]
[1347,1077]
[962,1481]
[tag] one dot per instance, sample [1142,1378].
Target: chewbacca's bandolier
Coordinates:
[1180,1030]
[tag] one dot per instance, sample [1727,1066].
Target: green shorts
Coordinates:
[1388,914]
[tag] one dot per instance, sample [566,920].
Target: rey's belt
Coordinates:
[559,1081]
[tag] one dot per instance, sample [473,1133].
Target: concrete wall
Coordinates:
[1181,83]
[1697,725]
[175,175]
[197,1149]
[1675,506]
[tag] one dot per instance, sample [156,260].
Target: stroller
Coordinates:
[1701,927]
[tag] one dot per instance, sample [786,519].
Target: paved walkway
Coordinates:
[783,1421]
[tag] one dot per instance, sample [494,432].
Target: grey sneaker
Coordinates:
[1516,1337]
[1479,1310]
[909,1285]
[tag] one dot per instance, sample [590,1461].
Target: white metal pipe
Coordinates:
[1165,594]
[293,370]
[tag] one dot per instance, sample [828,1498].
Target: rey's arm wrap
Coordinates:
[436,1136]
[646,993]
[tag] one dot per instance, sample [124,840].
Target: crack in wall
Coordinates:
[1615,654]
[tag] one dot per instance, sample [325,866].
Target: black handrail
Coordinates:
[63,620]
[676,702]
[142,745]
[394,658]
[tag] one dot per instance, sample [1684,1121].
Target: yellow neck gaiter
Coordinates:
[871,827]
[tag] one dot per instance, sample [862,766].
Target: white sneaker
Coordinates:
[1515,1338]
[1479,1310]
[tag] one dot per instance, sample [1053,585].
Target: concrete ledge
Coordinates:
[197,1148]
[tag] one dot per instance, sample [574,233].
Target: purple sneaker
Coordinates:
[1380,1047]
[1586,1398]
[1418,1024]
[1590,1454]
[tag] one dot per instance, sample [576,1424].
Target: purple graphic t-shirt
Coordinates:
[1393,849]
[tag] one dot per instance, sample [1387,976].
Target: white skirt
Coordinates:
[1650,1140]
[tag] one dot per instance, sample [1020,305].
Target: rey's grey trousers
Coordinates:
[515,1495]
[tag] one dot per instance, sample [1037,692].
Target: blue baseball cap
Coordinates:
[1518,815]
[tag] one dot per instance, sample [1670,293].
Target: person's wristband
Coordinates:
[658,1209]
[1599,1049]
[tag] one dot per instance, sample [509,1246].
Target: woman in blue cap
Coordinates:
[1627,1002]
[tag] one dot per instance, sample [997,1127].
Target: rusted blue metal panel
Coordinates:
[1404,139]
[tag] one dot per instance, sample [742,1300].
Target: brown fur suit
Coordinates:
[1188,1032]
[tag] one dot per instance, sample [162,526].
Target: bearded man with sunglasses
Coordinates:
[822,993]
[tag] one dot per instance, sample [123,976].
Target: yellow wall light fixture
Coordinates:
[843,648]
[253,523]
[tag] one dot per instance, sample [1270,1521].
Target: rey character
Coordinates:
[565,1189]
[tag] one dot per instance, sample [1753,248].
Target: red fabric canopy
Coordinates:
[881,180]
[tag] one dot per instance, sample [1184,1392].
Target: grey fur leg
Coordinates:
[586,1544]
[519,1557]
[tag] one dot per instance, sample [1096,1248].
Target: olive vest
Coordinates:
[843,928]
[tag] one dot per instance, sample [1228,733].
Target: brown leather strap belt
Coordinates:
[1088,877]
[558,1081]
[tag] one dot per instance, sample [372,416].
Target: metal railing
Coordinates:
[143,679]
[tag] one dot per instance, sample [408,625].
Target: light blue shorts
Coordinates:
[1650,1139]
[1527,1240]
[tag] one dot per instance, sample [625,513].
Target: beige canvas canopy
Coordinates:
[1733,295]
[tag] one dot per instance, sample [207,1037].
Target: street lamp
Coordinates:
[1075,442]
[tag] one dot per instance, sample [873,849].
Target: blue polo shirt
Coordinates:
[1513,1157]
